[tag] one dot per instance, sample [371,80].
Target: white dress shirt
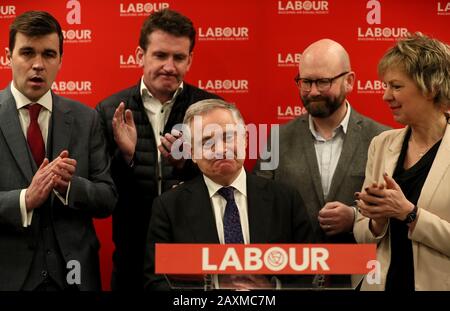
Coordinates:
[219,203]
[329,151]
[44,122]
[158,114]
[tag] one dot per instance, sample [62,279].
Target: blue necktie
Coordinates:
[231,221]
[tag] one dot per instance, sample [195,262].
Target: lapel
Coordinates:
[349,148]
[259,204]
[307,147]
[439,168]
[199,212]
[393,152]
[200,215]
[10,126]
[60,128]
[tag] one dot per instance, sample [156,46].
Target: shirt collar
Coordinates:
[343,124]
[240,184]
[22,101]
[144,91]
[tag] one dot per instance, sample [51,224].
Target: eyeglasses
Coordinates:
[322,84]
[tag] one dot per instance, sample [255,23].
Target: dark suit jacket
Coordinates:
[137,185]
[74,127]
[298,166]
[276,214]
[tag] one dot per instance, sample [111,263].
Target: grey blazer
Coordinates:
[74,127]
[298,166]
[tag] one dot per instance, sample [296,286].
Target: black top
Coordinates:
[400,275]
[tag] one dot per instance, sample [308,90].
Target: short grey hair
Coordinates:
[206,105]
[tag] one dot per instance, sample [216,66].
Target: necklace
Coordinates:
[419,151]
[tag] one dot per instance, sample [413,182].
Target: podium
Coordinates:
[265,266]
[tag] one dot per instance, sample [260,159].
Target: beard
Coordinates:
[323,106]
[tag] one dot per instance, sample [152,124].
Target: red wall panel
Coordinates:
[246,51]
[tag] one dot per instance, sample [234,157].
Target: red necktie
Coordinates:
[34,135]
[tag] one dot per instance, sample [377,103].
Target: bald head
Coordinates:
[327,62]
[324,58]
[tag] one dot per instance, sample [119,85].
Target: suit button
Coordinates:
[49,252]
[44,273]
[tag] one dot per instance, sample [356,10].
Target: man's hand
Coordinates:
[124,131]
[244,282]
[166,146]
[336,217]
[40,187]
[63,169]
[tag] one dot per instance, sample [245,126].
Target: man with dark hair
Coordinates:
[168,21]
[43,24]
[138,125]
[55,170]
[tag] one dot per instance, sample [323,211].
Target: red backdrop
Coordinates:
[246,51]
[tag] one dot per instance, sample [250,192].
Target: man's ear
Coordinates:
[8,55]
[190,58]
[349,81]
[140,56]
[246,136]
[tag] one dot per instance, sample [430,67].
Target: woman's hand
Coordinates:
[380,202]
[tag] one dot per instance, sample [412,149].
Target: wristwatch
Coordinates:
[411,216]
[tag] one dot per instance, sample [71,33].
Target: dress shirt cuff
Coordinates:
[26,216]
[382,234]
[215,281]
[63,200]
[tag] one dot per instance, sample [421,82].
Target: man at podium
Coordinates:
[225,204]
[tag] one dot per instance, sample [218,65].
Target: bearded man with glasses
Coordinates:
[323,153]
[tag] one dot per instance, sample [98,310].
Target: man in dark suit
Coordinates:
[323,154]
[138,125]
[54,166]
[224,205]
